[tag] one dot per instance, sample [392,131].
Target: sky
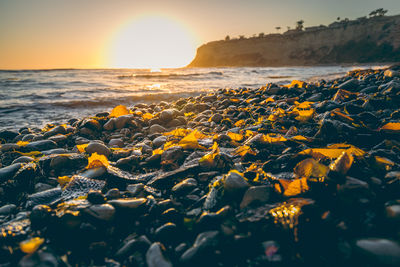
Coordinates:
[38,34]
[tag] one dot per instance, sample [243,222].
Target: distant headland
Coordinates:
[363,40]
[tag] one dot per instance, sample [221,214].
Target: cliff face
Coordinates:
[365,40]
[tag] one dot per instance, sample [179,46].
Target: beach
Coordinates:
[33,98]
[287,173]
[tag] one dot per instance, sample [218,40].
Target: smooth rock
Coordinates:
[9,171]
[167,233]
[101,212]
[7,209]
[159,141]
[40,216]
[23,159]
[98,148]
[155,256]
[117,142]
[7,135]
[256,194]
[378,251]
[205,242]
[156,128]
[96,197]
[122,121]
[44,197]
[109,125]
[128,203]
[56,130]
[217,118]
[41,145]
[184,187]
[235,183]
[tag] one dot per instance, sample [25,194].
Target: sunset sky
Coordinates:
[116,33]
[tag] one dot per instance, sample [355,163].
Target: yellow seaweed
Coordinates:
[119,111]
[96,160]
[31,245]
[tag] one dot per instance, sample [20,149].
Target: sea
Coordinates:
[33,98]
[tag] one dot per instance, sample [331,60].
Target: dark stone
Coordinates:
[377,252]
[9,171]
[44,197]
[41,145]
[40,216]
[204,244]
[167,233]
[7,135]
[100,212]
[95,197]
[184,187]
[7,209]
[235,183]
[256,194]
[155,256]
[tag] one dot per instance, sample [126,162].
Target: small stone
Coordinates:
[135,189]
[217,118]
[173,154]
[95,197]
[141,244]
[255,194]
[9,171]
[155,256]
[393,212]
[44,197]
[156,128]
[167,233]
[350,85]
[39,216]
[205,242]
[40,187]
[174,123]
[184,187]
[378,251]
[121,121]
[159,141]
[128,203]
[113,193]
[7,135]
[109,125]
[7,209]
[167,115]
[40,258]
[101,212]
[98,148]
[56,130]
[235,183]
[117,142]
[41,145]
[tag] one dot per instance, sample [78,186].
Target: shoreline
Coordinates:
[306,173]
[346,64]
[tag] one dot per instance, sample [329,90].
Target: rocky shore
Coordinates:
[295,175]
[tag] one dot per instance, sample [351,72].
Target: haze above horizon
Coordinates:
[46,34]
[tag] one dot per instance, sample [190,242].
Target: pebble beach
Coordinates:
[302,174]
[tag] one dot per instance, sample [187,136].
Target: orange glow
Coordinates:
[152,42]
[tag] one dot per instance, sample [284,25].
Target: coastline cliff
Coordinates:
[376,39]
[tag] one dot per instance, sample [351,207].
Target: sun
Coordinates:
[152,42]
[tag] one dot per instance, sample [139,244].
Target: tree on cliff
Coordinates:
[380,12]
[227,38]
[300,25]
[278,28]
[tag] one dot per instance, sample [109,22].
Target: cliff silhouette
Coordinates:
[364,40]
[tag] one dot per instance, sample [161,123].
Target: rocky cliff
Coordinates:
[363,40]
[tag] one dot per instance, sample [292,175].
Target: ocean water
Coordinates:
[32,98]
